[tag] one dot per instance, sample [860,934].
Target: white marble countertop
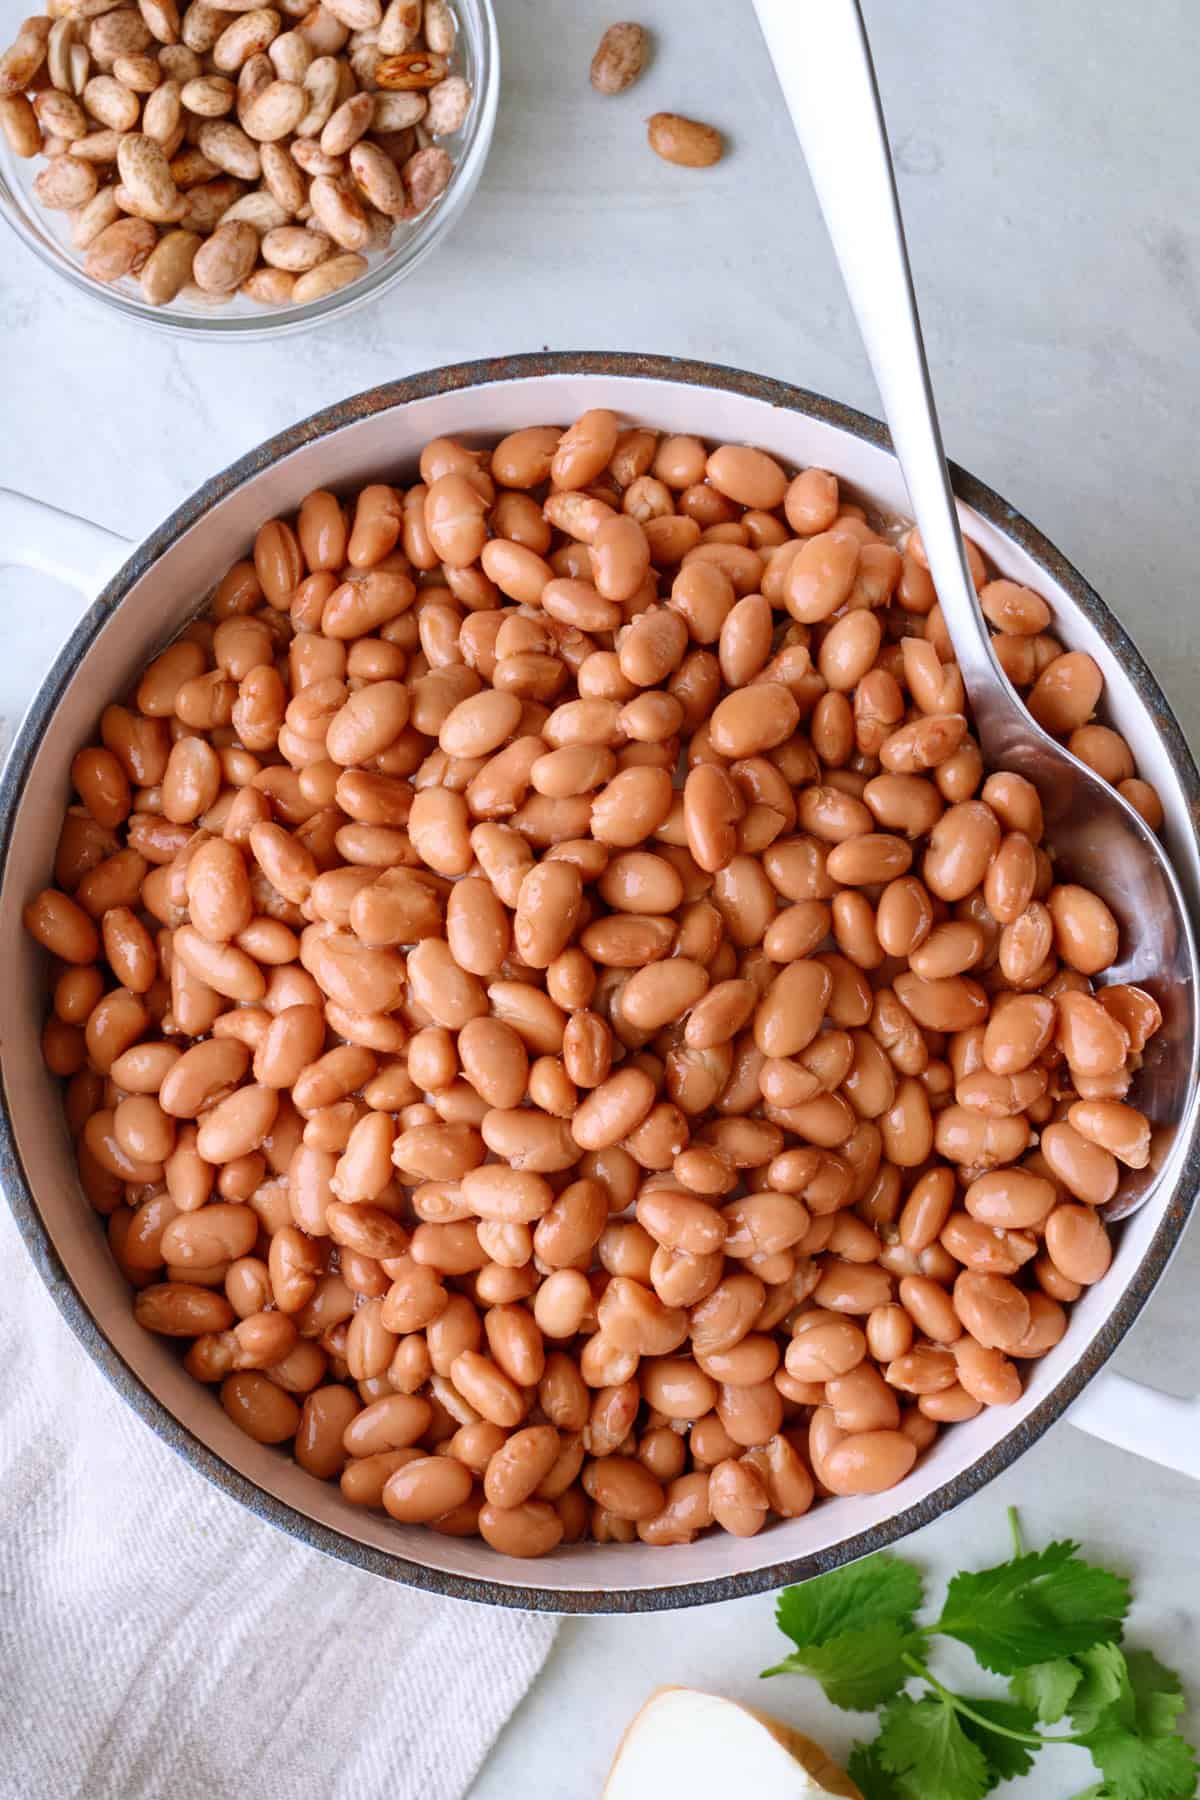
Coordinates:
[1048,160]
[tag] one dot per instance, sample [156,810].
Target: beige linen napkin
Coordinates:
[157,1642]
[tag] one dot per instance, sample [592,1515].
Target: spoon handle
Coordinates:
[823,61]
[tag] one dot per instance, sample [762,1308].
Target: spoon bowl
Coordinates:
[1100,842]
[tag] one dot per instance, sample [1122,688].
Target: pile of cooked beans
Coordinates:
[558,1020]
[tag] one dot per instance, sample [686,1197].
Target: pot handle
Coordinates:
[36,536]
[1161,1427]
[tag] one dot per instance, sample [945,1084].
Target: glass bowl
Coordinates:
[47,233]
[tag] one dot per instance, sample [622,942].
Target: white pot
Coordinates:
[378,435]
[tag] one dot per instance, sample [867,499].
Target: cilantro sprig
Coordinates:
[1049,1621]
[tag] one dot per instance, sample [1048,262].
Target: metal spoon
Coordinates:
[823,60]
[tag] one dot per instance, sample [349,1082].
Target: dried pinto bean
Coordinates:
[312,117]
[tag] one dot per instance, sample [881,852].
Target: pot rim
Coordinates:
[390,1565]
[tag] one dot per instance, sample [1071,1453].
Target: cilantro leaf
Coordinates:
[1157,1694]
[859,1670]
[1006,1756]
[1042,1605]
[880,1589]
[1046,1688]
[1124,1710]
[851,1629]
[922,1742]
[865,1769]
[1139,1768]
[1103,1688]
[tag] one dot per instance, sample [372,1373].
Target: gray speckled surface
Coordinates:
[1048,160]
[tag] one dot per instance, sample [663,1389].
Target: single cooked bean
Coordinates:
[1085,932]
[1084,1167]
[531,1529]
